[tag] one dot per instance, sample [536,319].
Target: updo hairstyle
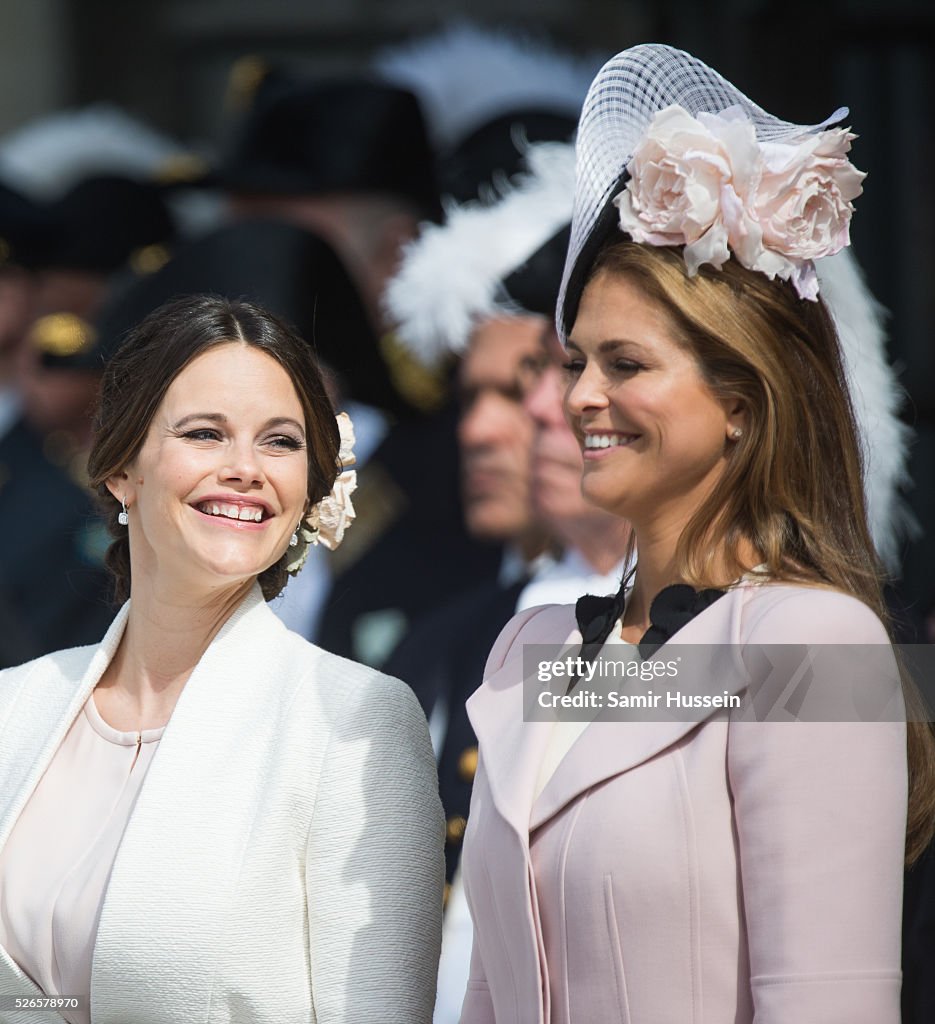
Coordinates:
[139,374]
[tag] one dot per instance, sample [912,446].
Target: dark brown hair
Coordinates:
[793,487]
[152,356]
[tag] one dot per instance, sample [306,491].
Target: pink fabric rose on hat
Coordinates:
[689,178]
[804,202]
[708,184]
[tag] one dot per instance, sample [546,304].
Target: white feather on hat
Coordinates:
[47,156]
[876,397]
[465,76]
[450,277]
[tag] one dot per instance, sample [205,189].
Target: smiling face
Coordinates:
[221,480]
[655,438]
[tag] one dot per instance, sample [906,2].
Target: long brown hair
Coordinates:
[793,486]
[153,355]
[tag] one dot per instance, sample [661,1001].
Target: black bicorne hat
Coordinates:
[102,223]
[495,259]
[287,270]
[485,161]
[27,231]
[345,135]
[534,285]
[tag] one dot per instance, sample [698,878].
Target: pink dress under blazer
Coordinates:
[55,866]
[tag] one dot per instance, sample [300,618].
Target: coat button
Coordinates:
[467,764]
[454,831]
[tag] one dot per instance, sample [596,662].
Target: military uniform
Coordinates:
[442,658]
[54,590]
[53,587]
[411,551]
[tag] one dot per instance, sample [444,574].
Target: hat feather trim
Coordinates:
[465,76]
[450,277]
[876,396]
[47,156]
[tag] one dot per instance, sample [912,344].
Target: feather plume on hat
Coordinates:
[451,276]
[465,76]
[487,95]
[876,397]
[47,156]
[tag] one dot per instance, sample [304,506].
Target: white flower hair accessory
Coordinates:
[328,520]
[707,183]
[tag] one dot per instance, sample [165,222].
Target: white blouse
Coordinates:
[55,867]
[565,733]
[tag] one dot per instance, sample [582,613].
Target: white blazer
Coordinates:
[284,860]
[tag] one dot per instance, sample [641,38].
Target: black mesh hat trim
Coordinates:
[605,225]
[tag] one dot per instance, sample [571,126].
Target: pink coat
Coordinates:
[676,873]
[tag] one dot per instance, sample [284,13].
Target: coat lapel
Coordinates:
[609,746]
[512,748]
[511,745]
[176,870]
[44,710]
[40,715]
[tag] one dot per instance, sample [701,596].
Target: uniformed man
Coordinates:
[105,226]
[349,160]
[52,585]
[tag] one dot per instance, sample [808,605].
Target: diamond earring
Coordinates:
[736,434]
[294,539]
[122,517]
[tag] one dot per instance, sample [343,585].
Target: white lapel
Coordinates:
[176,871]
[35,725]
[510,742]
[47,705]
[13,982]
[163,915]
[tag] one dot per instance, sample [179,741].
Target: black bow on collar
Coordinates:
[672,608]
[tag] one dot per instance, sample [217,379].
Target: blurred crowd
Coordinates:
[325,192]
[412,223]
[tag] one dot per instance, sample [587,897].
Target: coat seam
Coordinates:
[688,836]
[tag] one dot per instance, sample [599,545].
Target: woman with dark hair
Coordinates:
[206,817]
[742,862]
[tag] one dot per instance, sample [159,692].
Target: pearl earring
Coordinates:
[122,516]
[736,434]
